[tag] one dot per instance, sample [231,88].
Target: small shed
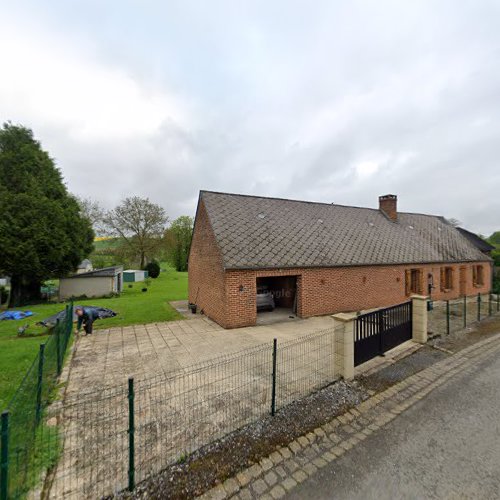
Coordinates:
[133,275]
[96,283]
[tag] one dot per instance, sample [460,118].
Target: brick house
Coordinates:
[320,258]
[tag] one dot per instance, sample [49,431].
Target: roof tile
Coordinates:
[291,235]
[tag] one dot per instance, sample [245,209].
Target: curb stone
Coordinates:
[308,453]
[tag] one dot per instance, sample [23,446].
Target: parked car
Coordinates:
[265,301]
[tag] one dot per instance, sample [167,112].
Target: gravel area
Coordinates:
[437,349]
[214,463]
[404,368]
[457,341]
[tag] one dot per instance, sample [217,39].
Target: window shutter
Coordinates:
[408,282]
[443,279]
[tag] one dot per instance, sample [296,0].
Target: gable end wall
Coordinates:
[205,270]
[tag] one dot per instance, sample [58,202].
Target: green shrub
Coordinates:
[496,284]
[153,269]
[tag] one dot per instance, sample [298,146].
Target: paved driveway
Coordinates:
[109,357]
[179,413]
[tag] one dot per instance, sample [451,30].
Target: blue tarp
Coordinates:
[15,314]
[102,312]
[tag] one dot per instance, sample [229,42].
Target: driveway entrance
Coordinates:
[382,330]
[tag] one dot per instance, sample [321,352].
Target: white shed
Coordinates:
[97,283]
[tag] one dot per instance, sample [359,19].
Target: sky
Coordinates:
[320,100]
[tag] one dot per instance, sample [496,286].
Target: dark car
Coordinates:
[265,301]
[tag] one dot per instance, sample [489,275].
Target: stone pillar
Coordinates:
[419,318]
[344,344]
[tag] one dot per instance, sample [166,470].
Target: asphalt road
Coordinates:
[446,446]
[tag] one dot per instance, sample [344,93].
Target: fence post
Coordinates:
[479,306]
[498,300]
[4,456]
[419,318]
[273,392]
[344,344]
[490,312]
[69,324]
[131,436]
[41,360]
[465,311]
[69,318]
[447,317]
[58,347]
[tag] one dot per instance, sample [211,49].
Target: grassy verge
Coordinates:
[132,307]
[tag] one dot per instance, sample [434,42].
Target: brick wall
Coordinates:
[206,274]
[331,290]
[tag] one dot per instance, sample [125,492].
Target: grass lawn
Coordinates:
[132,307]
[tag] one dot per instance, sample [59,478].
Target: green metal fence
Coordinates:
[116,436]
[107,439]
[29,439]
[451,316]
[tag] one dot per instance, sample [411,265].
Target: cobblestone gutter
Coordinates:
[283,469]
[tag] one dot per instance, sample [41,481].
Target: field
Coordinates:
[132,307]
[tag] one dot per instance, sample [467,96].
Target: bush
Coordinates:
[153,269]
[496,284]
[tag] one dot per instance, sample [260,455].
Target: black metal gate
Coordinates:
[380,331]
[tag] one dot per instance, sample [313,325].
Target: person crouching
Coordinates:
[86,317]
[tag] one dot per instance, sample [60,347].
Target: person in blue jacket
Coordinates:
[86,316]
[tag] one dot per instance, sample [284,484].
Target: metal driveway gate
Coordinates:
[379,331]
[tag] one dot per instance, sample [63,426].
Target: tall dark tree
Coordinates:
[178,241]
[140,224]
[42,232]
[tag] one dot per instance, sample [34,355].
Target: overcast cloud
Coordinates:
[325,101]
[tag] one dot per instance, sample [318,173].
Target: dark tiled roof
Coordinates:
[477,241]
[256,232]
[99,273]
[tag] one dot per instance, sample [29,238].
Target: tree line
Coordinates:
[45,231]
[139,232]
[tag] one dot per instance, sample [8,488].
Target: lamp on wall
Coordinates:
[242,288]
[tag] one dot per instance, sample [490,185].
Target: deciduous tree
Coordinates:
[91,210]
[140,224]
[178,241]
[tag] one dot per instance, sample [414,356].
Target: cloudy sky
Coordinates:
[319,100]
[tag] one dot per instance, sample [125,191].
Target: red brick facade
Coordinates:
[229,296]
[207,287]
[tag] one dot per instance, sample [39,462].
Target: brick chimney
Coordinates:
[389,205]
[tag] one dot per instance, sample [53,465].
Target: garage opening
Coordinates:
[276,299]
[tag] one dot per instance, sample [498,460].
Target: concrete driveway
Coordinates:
[108,357]
[178,413]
